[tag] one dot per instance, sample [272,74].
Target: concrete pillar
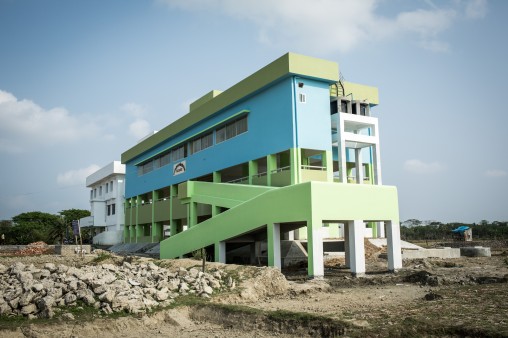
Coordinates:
[216,176]
[273,245]
[393,245]
[347,252]
[359,166]
[315,249]
[220,252]
[342,150]
[357,247]
[271,164]
[380,229]
[192,214]
[253,170]
[252,247]
[295,164]
[328,163]
[377,164]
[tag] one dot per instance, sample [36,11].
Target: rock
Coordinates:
[26,298]
[68,316]
[70,298]
[161,295]
[24,277]
[47,313]
[45,303]
[50,267]
[174,284]
[207,289]
[107,296]
[3,269]
[133,282]
[5,309]
[28,309]
[110,267]
[37,287]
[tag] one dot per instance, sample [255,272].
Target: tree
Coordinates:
[31,227]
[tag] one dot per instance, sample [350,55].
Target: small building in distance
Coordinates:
[107,189]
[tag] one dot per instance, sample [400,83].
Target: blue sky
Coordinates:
[82,81]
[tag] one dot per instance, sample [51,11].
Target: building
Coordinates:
[107,190]
[290,152]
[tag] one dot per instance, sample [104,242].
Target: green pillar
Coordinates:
[296,168]
[328,163]
[172,222]
[217,176]
[192,214]
[155,197]
[271,164]
[253,170]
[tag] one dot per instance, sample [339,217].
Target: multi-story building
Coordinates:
[107,191]
[290,152]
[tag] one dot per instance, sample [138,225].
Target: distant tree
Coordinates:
[31,227]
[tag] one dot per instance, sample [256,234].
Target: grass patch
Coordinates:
[102,257]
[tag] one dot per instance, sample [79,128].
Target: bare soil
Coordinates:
[460,297]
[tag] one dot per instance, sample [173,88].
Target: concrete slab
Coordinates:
[434,253]
[381,242]
[475,251]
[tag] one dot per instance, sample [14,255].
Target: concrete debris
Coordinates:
[33,292]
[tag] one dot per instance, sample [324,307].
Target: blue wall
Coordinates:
[313,116]
[270,130]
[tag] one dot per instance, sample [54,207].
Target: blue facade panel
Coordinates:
[270,130]
[313,116]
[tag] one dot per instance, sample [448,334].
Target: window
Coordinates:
[178,153]
[100,190]
[107,188]
[147,167]
[302,97]
[363,109]
[95,193]
[164,159]
[113,209]
[231,130]
[109,210]
[91,194]
[111,186]
[201,143]
[343,106]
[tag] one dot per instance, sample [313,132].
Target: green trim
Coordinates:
[245,111]
[288,65]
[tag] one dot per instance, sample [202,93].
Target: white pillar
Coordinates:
[273,245]
[393,245]
[220,252]
[380,229]
[357,247]
[377,165]
[347,252]
[316,267]
[341,141]
[359,166]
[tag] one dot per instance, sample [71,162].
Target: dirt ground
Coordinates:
[460,297]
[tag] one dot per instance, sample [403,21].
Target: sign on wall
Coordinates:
[179,168]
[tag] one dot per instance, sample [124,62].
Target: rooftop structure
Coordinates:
[290,152]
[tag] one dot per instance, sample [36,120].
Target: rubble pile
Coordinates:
[33,292]
[36,248]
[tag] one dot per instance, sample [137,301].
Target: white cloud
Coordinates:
[24,124]
[336,25]
[134,109]
[496,173]
[139,128]
[77,176]
[476,9]
[419,167]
